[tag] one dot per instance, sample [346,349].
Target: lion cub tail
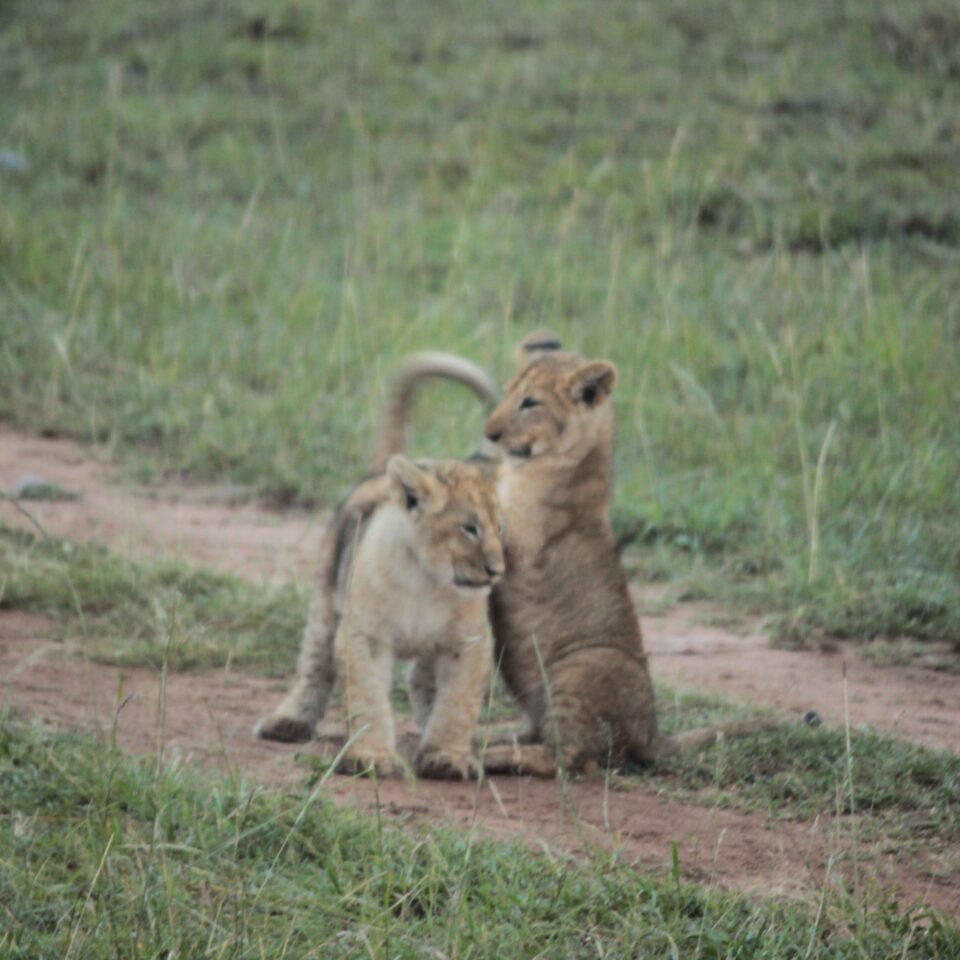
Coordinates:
[702,737]
[413,369]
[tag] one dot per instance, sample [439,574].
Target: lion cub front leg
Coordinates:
[365,667]
[446,747]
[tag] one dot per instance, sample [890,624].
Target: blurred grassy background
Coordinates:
[235,216]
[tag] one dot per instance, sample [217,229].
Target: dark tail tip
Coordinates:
[541,341]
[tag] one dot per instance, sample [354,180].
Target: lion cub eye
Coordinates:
[528,403]
[470,529]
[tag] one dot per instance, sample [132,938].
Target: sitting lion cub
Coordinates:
[408,563]
[567,637]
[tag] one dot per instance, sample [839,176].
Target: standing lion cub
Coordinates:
[408,563]
[418,589]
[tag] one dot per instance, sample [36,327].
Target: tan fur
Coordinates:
[446,682]
[410,372]
[566,633]
[567,638]
[408,563]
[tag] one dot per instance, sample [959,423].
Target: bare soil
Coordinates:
[206,719]
[212,526]
[910,702]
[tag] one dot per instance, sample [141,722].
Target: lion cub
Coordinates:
[567,638]
[409,560]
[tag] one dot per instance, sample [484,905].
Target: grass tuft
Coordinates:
[801,772]
[150,613]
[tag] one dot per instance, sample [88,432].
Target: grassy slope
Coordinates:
[236,216]
[101,856]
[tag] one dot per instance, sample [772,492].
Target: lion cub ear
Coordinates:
[537,344]
[411,486]
[593,382]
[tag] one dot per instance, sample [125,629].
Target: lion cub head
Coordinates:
[555,406]
[454,519]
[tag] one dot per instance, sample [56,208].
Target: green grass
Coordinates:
[236,217]
[104,856]
[799,772]
[149,613]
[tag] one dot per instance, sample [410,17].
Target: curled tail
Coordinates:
[413,369]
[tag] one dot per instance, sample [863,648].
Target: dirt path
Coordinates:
[207,719]
[201,524]
[910,702]
[206,524]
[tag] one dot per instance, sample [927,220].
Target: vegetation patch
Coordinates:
[805,772]
[153,614]
[224,223]
[148,613]
[105,856]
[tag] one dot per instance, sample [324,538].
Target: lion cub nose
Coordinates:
[493,571]
[494,435]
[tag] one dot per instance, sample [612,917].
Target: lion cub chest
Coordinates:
[396,598]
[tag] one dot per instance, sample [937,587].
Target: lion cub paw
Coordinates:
[433,763]
[380,765]
[284,727]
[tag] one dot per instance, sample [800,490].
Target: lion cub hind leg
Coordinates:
[422,688]
[446,747]
[537,760]
[365,666]
[295,719]
[303,707]
[568,742]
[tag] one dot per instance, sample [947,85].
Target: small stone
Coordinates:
[13,161]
